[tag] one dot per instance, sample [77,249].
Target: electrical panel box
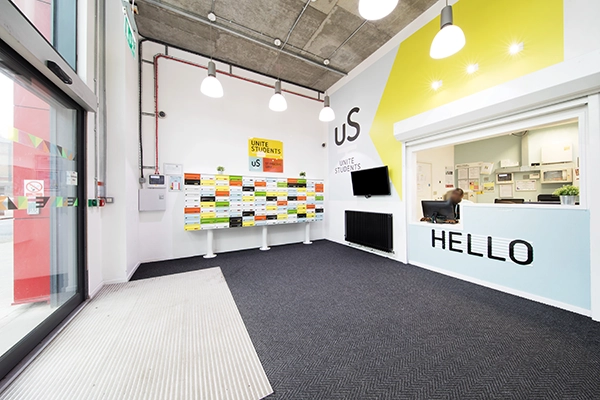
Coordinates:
[152,199]
[156,181]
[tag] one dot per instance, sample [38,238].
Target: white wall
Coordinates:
[202,133]
[119,244]
[554,135]
[439,158]
[364,94]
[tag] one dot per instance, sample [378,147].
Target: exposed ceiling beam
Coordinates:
[202,20]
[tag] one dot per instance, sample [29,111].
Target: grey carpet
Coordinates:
[332,322]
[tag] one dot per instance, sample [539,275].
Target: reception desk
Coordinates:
[538,252]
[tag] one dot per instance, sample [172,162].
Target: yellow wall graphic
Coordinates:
[490,28]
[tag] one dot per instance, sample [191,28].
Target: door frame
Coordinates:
[25,348]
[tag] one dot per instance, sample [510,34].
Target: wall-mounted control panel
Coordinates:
[152,199]
[156,181]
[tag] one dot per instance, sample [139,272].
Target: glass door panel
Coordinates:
[40,272]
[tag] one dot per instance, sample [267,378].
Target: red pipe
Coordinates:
[179,60]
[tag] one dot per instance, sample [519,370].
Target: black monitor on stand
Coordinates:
[438,211]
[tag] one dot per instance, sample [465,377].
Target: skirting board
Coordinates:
[391,256]
[129,275]
[525,295]
[95,291]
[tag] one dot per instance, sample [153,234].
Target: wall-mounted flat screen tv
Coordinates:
[371,182]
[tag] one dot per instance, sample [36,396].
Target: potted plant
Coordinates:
[568,194]
[302,174]
[220,169]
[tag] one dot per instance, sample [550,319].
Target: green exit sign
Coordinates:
[129,35]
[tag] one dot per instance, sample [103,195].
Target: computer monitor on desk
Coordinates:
[438,211]
[548,198]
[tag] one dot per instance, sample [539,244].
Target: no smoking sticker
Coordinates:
[33,188]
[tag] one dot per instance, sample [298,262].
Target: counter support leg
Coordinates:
[264,246]
[209,244]
[307,233]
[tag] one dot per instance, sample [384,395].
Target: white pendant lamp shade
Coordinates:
[278,102]
[326,114]
[211,86]
[376,9]
[449,40]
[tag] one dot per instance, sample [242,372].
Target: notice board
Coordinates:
[233,201]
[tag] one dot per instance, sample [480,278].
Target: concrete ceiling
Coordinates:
[245,31]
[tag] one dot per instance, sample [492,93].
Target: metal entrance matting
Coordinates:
[173,337]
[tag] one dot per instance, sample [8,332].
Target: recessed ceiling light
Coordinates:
[277,42]
[435,85]
[212,17]
[515,48]
[472,68]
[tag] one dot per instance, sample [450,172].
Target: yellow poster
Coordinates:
[265,148]
[265,155]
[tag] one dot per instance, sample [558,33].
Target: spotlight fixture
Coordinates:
[472,68]
[277,42]
[212,17]
[211,86]
[435,85]
[376,9]
[326,113]
[450,39]
[515,48]
[278,102]
[326,61]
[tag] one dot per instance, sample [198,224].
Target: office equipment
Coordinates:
[156,181]
[371,182]
[504,177]
[548,198]
[556,175]
[509,201]
[370,229]
[438,211]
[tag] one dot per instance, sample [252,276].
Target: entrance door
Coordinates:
[41,231]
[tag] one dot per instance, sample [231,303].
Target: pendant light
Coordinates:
[326,113]
[278,102]
[450,39]
[211,86]
[376,9]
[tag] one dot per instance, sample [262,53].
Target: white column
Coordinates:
[264,246]
[307,233]
[209,244]
[592,188]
